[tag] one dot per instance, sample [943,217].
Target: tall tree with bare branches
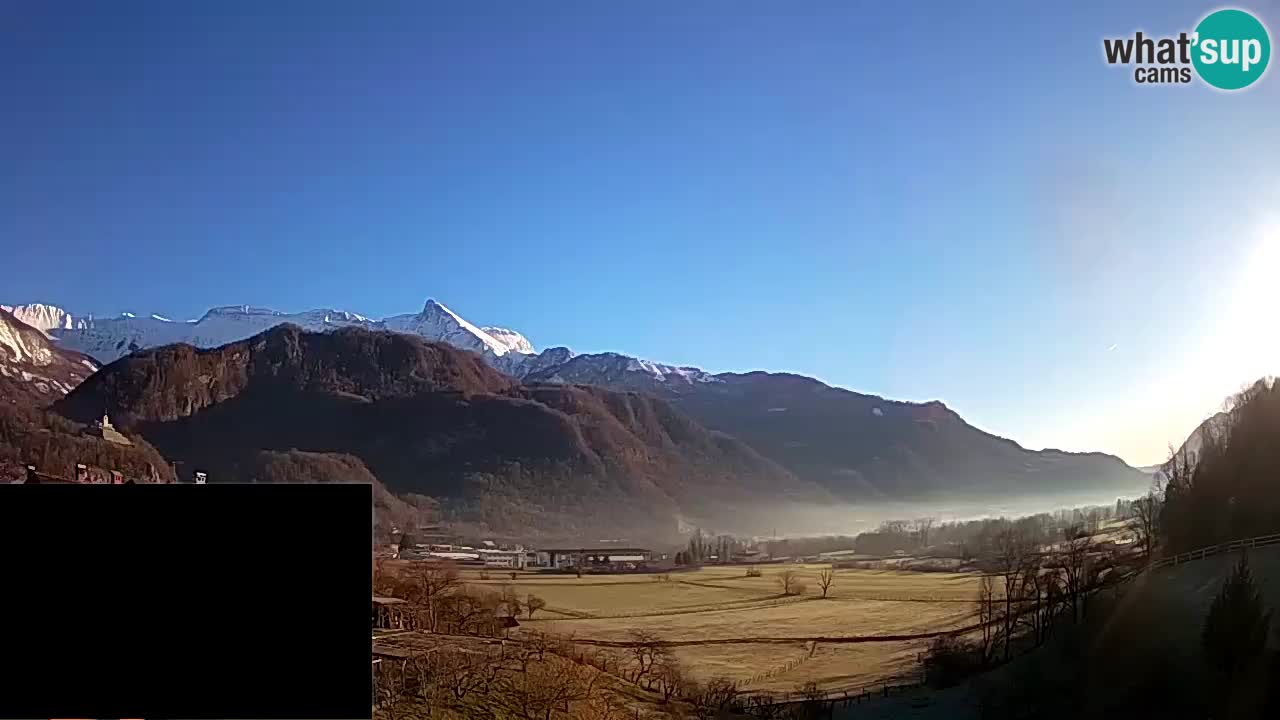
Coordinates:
[826,577]
[922,528]
[1009,558]
[987,612]
[1145,522]
[1075,566]
[788,582]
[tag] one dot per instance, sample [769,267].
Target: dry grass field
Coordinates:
[729,625]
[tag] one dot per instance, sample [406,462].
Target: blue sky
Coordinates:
[917,200]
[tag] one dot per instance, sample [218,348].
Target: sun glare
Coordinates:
[1258,299]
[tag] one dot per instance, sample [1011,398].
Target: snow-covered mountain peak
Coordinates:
[21,343]
[41,316]
[34,369]
[514,341]
[437,322]
[107,339]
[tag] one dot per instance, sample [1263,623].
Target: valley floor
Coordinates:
[719,622]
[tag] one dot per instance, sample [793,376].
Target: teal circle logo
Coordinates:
[1232,49]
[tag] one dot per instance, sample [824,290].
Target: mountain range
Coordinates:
[811,440]
[428,419]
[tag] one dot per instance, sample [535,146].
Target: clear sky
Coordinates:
[919,200]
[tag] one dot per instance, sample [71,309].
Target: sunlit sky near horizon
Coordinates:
[924,203]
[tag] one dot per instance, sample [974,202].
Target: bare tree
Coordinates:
[426,587]
[788,580]
[1179,469]
[987,611]
[922,528]
[1042,591]
[1010,560]
[1144,521]
[718,695]
[510,602]
[543,691]
[646,653]
[826,577]
[459,677]
[533,603]
[1074,560]
[668,677]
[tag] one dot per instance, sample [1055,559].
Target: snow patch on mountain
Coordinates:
[514,341]
[618,370]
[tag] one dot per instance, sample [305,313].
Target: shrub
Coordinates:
[951,659]
[1236,629]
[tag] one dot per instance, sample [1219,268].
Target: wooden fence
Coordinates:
[1200,554]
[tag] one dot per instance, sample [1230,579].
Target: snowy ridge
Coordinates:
[505,349]
[23,344]
[514,341]
[31,366]
[618,370]
[42,317]
[437,322]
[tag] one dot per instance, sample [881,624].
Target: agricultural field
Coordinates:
[723,623]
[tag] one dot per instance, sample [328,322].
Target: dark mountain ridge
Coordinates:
[429,419]
[863,447]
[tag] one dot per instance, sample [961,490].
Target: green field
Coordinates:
[744,629]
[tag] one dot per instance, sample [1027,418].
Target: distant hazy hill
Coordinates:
[863,446]
[429,419]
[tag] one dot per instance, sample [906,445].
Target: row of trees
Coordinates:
[975,538]
[545,677]
[438,601]
[704,548]
[525,681]
[1127,660]
[1027,590]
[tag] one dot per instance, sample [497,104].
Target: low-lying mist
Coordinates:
[803,520]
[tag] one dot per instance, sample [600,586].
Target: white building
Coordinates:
[512,559]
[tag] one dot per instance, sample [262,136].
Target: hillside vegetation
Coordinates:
[431,420]
[1228,487]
